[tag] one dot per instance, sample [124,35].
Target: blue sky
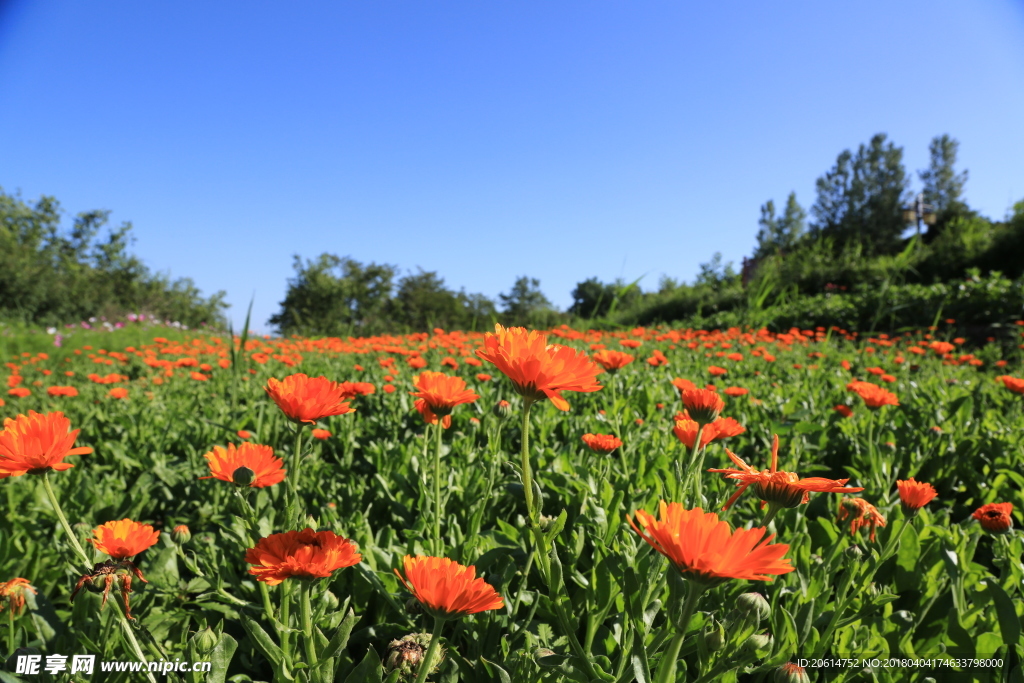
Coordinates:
[485,140]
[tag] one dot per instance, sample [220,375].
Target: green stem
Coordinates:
[286,617]
[770,513]
[428,659]
[125,625]
[10,634]
[525,461]
[254,534]
[691,469]
[669,661]
[298,458]
[438,431]
[306,612]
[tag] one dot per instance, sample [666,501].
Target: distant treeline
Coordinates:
[50,276]
[851,265]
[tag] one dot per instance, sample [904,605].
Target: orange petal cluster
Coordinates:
[706,550]
[447,589]
[686,430]
[1014,384]
[785,489]
[268,469]
[302,554]
[602,444]
[914,495]
[539,370]
[861,514]
[442,392]
[36,443]
[308,399]
[612,361]
[703,405]
[874,396]
[12,594]
[995,517]
[123,539]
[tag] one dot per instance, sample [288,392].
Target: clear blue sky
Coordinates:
[485,140]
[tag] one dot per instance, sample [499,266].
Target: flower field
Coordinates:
[652,505]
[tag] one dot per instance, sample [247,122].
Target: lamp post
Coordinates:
[920,212]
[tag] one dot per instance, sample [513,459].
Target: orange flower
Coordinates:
[686,430]
[447,589]
[442,392]
[874,396]
[995,517]
[657,359]
[198,376]
[303,554]
[602,444]
[914,495]
[683,384]
[861,514]
[703,405]
[1012,383]
[845,411]
[12,594]
[716,371]
[307,399]
[123,539]
[612,361]
[785,489]
[736,391]
[353,389]
[539,370]
[118,392]
[224,462]
[243,434]
[62,391]
[19,392]
[321,434]
[37,443]
[483,376]
[706,550]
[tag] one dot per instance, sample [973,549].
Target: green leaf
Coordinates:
[340,638]
[1009,622]
[502,674]
[263,641]
[367,671]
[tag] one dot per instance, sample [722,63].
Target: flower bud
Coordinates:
[474,423]
[205,642]
[243,476]
[714,639]
[181,535]
[405,655]
[502,410]
[750,609]
[791,673]
[758,644]
[854,553]
[545,522]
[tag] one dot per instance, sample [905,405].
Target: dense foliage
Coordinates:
[927,589]
[50,276]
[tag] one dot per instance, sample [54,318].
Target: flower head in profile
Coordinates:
[55,391]
[539,370]
[308,399]
[844,410]
[123,539]
[37,443]
[447,589]
[267,470]
[914,495]
[612,361]
[995,517]
[873,395]
[783,489]
[706,550]
[703,405]
[602,444]
[686,430]
[12,594]
[353,389]
[1014,384]
[305,554]
[441,393]
[321,434]
[861,514]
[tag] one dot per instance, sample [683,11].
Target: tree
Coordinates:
[523,299]
[780,232]
[334,296]
[713,273]
[943,186]
[861,198]
[592,298]
[423,302]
